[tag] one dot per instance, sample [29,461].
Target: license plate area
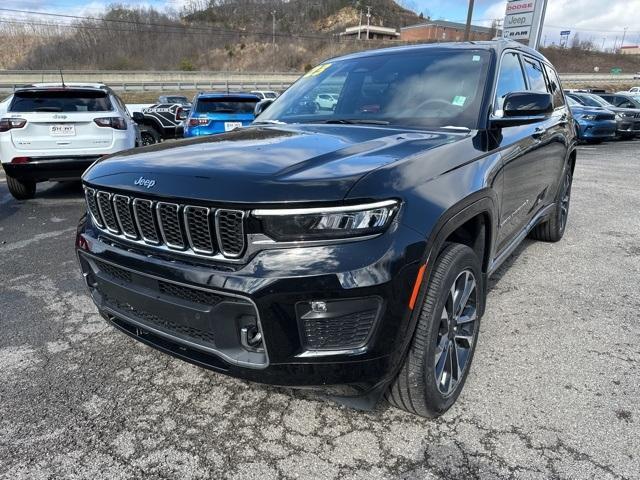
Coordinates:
[228,126]
[62,130]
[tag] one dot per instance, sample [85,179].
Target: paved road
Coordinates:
[553,393]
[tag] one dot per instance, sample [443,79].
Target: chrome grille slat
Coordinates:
[92,206]
[198,224]
[106,211]
[124,215]
[230,232]
[170,223]
[143,211]
[170,227]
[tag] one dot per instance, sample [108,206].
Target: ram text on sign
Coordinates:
[519,33]
[520,6]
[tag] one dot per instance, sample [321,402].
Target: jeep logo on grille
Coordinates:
[145,182]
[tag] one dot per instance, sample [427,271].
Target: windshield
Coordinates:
[424,88]
[572,102]
[60,101]
[177,100]
[595,101]
[226,105]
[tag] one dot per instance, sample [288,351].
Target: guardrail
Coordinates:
[164,81]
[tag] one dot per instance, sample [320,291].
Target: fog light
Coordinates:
[319,307]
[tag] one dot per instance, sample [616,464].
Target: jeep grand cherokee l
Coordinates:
[344,250]
[55,131]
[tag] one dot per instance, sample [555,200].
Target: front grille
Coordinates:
[190,294]
[345,332]
[171,225]
[605,116]
[230,232]
[115,272]
[189,229]
[145,218]
[105,208]
[165,324]
[124,215]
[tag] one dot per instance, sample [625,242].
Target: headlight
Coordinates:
[620,116]
[327,223]
[589,117]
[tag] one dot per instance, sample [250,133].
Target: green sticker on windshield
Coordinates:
[459,100]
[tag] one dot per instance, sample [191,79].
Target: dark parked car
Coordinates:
[628,119]
[345,250]
[595,124]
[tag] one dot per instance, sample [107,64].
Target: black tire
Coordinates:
[418,388]
[552,230]
[149,136]
[21,189]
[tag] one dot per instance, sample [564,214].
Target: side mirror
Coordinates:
[261,106]
[138,117]
[523,108]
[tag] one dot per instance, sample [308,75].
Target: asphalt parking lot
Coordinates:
[554,391]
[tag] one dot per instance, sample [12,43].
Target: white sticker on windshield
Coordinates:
[459,100]
[476,58]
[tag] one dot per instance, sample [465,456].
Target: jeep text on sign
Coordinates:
[518,20]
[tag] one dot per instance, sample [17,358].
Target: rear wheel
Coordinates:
[149,136]
[441,351]
[552,230]
[21,189]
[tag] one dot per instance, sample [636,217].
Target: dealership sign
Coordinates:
[523,20]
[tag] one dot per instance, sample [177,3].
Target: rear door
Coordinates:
[61,119]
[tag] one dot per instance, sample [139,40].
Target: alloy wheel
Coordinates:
[457,332]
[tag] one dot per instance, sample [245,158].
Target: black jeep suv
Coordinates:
[345,249]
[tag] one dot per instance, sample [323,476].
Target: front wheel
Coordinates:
[441,351]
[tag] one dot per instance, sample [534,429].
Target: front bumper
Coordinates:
[272,291]
[628,127]
[596,130]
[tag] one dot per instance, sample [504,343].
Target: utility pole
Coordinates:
[467,30]
[273,40]
[273,28]
[604,39]
[368,20]
[623,36]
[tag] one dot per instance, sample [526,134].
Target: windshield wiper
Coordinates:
[355,121]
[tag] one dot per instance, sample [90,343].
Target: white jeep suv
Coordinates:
[56,131]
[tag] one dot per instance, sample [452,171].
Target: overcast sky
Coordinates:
[598,20]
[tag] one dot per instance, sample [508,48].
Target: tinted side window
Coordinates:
[555,86]
[510,79]
[537,82]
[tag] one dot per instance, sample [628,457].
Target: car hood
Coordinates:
[576,111]
[305,163]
